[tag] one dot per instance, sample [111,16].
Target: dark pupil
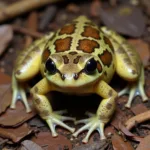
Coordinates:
[91,66]
[50,66]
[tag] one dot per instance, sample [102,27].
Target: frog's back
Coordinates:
[81,36]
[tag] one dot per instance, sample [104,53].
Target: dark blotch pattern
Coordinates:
[99,67]
[91,32]
[107,41]
[106,58]
[76,60]
[45,55]
[68,29]
[87,46]
[109,106]
[63,45]
[66,60]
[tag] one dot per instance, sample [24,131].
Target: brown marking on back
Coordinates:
[110,93]
[63,45]
[37,101]
[106,58]
[107,41]
[66,60]
[109,106]
[36,89]
[105,73]
[68,29]
[45,113]
[45,55]
[99,67]
[91,32]
[87,46]
[76,60]
[73,53]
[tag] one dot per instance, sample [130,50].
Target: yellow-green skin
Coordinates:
[70,48]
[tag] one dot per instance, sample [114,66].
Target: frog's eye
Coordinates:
[90,66]
[50,66]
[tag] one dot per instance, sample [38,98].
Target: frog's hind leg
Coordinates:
[18,92]
[128,65]
[134,89]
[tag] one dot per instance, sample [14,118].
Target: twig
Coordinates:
[27,31]
[21,7]
[138,118]
[47,17]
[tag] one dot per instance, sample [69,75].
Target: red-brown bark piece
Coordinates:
[29,145]
[119,116]
[144,144]
[4,79]
[6,35]
[119,144]
[5,92]
[45,138]
[15,117]
[139,108]
[15,134]
[143,49]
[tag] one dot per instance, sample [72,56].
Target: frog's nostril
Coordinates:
[63,76]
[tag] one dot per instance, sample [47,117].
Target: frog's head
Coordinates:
[72,69]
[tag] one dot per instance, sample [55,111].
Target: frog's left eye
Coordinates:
[90,66]
[50,66]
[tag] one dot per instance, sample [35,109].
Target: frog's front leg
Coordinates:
[44,107]
[103,114]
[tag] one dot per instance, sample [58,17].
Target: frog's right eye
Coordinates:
[50,66]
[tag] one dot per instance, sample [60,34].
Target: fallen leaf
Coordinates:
[45,138]
[15,117]
[5,97]
[119,116]
[142,48]
[30,145]
[15,134]
[73,8]
[139,108]
[6,35]
[119,144]
[123,19]
[144,144]
[5,79]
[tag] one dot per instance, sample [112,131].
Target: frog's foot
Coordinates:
[91,124]
[55,118]
[133,89]
[19,94]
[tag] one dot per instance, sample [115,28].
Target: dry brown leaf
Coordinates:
[95,8]
[5,97]
[15,117]
[144,144]
[6,35]
[139,108]
[143,49]
[119,144]
[30,145]
[15,134]
[45,138]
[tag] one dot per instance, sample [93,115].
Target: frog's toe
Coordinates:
[55,119]
[20,94]
[91,124]
[133,90]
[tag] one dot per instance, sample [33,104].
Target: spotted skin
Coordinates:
[70,49]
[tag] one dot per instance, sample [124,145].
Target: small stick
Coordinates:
[47,17]
[32,22]
[21,7]
[27,31]
[138,118]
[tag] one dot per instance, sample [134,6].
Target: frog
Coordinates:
[79,58]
